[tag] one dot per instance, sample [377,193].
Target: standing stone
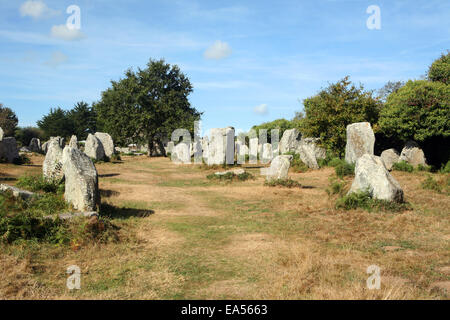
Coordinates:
[73,143]
[35,145]
[389,157]
[170,146]
[60,140]
[360,140]
[205,148]
[8,149]
[81,180]
[181,153]
[253,150]
[279,167]
[94,148]
[267,153]
[412,154]
[107,142]
[217,150]
[229,145]
[289,141]
[1,134]
[371,175]
[52,166]
[310,152]
[44,147]
[197,151]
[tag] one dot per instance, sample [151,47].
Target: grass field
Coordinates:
[183,236]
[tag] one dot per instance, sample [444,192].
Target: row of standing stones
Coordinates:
[371,172]
[65,162]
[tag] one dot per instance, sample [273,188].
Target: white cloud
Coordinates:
[261,109]
[36,9]
[56,59]
[218,50]
[62,32]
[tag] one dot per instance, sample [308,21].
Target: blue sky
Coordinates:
[249,61]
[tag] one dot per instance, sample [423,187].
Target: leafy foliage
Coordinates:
[280,124]
[8,120]
[330,111]
[38,183]
[403,166]
[147,104]
[24,135]
[56,123]
[84,120]
[440,69]
[417,111]
[364,201]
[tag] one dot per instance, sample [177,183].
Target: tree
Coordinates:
[147,105]
[388,88]
[84,120]
[440,69]
[24,135]
[8,120]
[56,123]
[417,111]
[330,111]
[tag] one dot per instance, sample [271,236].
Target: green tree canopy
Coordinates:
[440,69]
[56,123]
[418,111]
[84,120]
[147,104]
[330,111]
[8,120]
[24,135]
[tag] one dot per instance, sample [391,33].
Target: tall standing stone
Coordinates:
[94,148]
[412,154]
[81,180]
[267,153]
[217,150]
[52,166]
[1,134]
[289,141]
[372,176]
[229,145]
[253,150]
[8,149]
[360,141]
[310,152]
[73,143]
[107,142]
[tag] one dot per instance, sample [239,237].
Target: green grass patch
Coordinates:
[364,201]
[39,183]
[288,183]
[403,166]
[231,176]
[336,186]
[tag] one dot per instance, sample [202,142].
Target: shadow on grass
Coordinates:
[108,193]
[113,212]
[108,175]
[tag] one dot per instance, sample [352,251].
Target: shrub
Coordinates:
[297,164]
[22,159]
[422,167]
[403,166]
[230,176]
[445,168]
[288,183]
[39,183]
[365,201]
[440,69]
[336,186]
[344,169]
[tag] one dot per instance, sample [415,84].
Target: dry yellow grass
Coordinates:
[242,240]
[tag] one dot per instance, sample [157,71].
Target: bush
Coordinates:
[22,159]
[335,187]
[39,183]
[344,169]
[403,166]
[445,168]
[230,176]
[440,69]
[288,183]
[297,164]
[365,201]
[425,168]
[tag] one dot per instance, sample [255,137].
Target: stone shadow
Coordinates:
[114,212]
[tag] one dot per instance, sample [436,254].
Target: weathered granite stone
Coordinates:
[289,141]
[16,192]
[52,166]
[94,148]
[372,176]
[8,149]
[73,143]
[81,180]
[412,154]
[181,153]
[107,142]
[35,145]
[389,157]
[360,141]
[267,153]
[279,167]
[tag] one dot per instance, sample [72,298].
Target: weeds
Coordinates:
[336,186]
[288,183]
[39,183]
[230,176]
[403,166]
[365,201]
